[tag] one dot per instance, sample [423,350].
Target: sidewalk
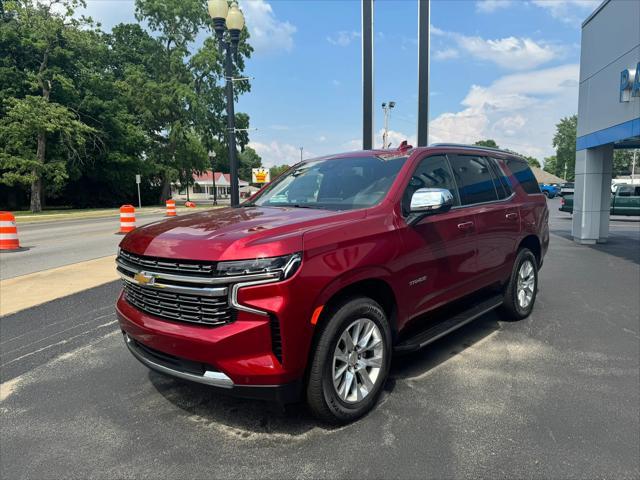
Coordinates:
[27,291]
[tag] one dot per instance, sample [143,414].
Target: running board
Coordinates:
[439,330]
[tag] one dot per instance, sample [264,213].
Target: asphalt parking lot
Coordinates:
[554,396]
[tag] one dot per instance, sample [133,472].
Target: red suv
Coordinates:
[309,287]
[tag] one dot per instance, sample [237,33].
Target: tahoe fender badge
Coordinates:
[417,280]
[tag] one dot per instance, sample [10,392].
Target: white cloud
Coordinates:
[519,111]
[336,83]
[343,38]
[268,34]
[568,11]
[489,6]
[276,153]
[446,54]
[513,53]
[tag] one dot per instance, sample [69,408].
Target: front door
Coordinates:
[439,265]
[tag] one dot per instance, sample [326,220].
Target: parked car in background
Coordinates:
[307,289]
[625,200]
[550,191]
[627,181]
[567,188]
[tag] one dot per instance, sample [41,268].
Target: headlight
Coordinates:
[286,264]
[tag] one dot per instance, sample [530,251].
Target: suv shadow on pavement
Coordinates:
[247,418]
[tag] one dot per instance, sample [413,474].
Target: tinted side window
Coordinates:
[524,175]
[503,185]
[625,191]
[474,179]
[431,172]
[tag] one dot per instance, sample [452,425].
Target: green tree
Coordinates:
[278,170]
[28,123]
[247,160]
[487,143]
[623,162]
[185,89]
[42,37]
[533,162]
[550,164]
[564,142]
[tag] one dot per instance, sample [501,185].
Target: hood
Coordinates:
[231,233]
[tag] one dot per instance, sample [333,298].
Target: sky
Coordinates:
[501,69]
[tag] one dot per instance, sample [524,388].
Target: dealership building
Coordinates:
[608,110]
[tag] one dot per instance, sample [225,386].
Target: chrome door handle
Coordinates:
[511,216]
[465,226]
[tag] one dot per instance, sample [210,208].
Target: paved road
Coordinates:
[553,396]
[63,242]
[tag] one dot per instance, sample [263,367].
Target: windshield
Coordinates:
[337,184]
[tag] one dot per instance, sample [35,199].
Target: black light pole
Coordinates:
[229,19]
[367,74]
[423,72]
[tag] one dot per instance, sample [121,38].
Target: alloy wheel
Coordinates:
[357,360]
[525,284]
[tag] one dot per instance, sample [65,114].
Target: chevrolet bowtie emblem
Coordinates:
[144,278]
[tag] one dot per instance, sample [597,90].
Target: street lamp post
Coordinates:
[229,18]
[386,107]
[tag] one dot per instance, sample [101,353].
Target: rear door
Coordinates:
[485,192]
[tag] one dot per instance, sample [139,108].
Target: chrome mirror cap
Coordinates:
[431,200]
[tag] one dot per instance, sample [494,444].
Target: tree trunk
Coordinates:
[166,191]
[36,184]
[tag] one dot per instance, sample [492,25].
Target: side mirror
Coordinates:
[427,201]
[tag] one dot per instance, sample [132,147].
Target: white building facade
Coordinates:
[608,111]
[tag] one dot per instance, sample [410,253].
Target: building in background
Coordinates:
[608,110]
[202,189]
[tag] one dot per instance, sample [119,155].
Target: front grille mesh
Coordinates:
[169,266]
[184,308]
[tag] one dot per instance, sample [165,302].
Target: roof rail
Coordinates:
[474,147]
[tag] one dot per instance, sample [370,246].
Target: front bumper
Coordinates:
[201,373]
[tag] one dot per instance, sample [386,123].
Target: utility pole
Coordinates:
[301,148]
[633,165]
[367,74]
[423,72]
[386,107]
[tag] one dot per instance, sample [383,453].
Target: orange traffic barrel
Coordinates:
[127,218]
[8,232]
[171,208]
[189,204]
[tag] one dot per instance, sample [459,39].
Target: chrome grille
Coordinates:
[180,307]
[181,267]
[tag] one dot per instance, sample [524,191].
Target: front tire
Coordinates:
[521,291]
[351,361]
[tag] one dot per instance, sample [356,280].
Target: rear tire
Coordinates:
[351,361]
[521,291]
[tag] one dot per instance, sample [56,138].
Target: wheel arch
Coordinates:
[532,242]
